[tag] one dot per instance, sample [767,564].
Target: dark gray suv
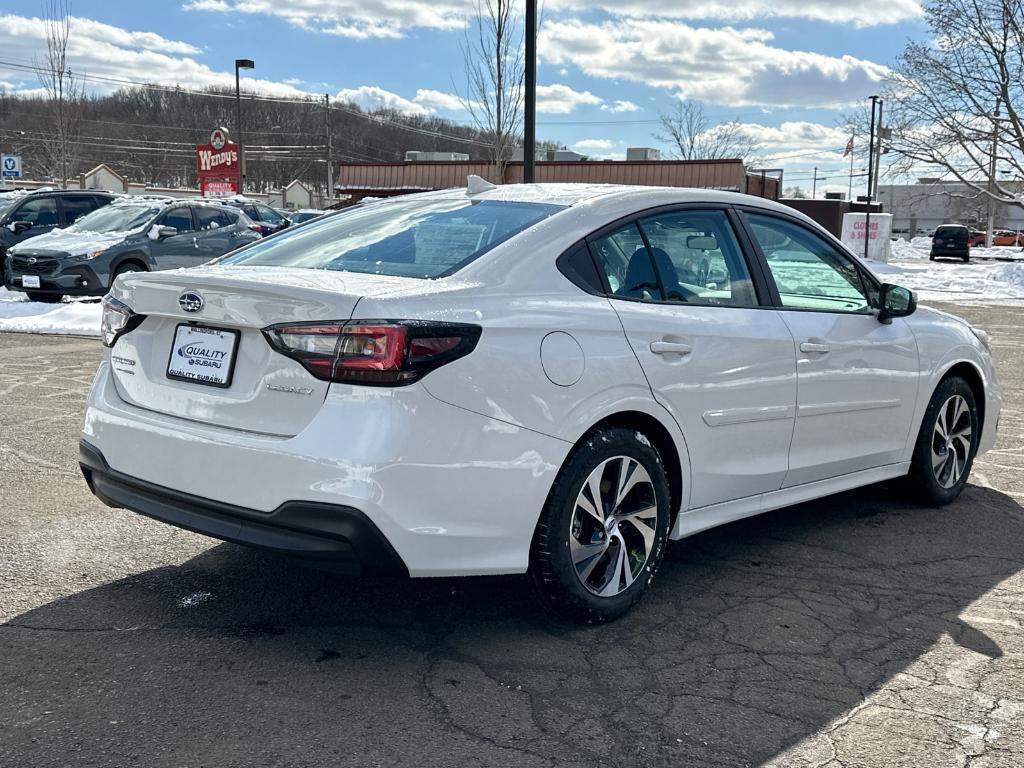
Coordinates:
[130,235]
[30,214]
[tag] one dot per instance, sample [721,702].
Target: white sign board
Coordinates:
[10,166]
[879,243]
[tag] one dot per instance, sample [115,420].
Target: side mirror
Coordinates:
[18,227]
[161,233]
[895,301]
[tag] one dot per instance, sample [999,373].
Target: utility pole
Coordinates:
[530,100]
[871,176]
[329,192]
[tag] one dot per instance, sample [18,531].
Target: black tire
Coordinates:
[125,269]
[45,298]
[554,572]
[924,478]
[967,259]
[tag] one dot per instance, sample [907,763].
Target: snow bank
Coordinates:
[77,318]
[953,281]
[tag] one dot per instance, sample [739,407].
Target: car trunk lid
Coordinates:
[249,386]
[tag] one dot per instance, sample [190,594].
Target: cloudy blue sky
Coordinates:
[787,69]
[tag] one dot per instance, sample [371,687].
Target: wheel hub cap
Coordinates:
[614,522]
[951,441]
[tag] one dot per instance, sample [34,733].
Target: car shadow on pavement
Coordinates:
[755,637]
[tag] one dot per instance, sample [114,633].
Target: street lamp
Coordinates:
[239,65]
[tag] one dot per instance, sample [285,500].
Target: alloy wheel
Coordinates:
[613,526]
[951,441]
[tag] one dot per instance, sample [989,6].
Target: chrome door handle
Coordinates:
[670,348]
[812,346]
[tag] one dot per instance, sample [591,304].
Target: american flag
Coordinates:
[849,147]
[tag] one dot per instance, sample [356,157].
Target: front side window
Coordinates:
[809,272]
[693,258]
[408,238]
[179,218]
[40,212]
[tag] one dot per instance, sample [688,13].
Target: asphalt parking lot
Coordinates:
[858,630]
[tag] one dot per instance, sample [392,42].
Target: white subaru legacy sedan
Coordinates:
[552,379]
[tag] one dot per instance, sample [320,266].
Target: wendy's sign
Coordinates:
[213,162]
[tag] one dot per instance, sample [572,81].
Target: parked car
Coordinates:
[530,378]
[951,241]
[977,239]
[1007,237]
[305,214]
[266,218]
[129,235]
[25,214]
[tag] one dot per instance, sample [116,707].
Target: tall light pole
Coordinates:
[991,218]
[530,97]
[239,65]
[871,175]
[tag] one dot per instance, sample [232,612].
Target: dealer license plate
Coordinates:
[30,281]
[203,355]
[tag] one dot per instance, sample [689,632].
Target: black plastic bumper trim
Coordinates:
[340,538]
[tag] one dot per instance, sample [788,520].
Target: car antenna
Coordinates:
[476,185]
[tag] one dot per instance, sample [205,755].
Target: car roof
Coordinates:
[581,194]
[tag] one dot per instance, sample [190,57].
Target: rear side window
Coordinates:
[421,238]
[690,257]
[269,214]
[76,206]
[211,218]
[251,212]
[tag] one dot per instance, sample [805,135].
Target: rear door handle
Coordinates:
[814,346]
[670,348]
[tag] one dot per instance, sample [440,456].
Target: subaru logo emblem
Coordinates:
[190,301]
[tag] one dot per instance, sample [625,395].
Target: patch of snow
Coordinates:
[993,274]
[76,318]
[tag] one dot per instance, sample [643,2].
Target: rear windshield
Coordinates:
[950,231]
[414,238]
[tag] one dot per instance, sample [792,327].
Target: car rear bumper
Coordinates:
[341,538]
[452,492]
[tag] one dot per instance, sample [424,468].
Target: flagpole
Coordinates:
[852,139]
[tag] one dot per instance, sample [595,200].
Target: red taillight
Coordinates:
[387,353]
[255,227]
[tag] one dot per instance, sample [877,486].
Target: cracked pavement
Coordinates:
[859,630]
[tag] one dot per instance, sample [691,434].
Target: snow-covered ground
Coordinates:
[994,276]
[79,318]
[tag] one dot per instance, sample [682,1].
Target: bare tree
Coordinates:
[64,91]
[953,101]
[495,69]
[688,131]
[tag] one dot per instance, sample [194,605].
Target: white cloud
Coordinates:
[561,99]
[620,106]
[589,146]
[865,13]
[425,102]
[358,19]
[736,67]
[107,54]
[798,142]
[371,98]
[438,100]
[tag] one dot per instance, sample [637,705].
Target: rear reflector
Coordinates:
[374,353]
